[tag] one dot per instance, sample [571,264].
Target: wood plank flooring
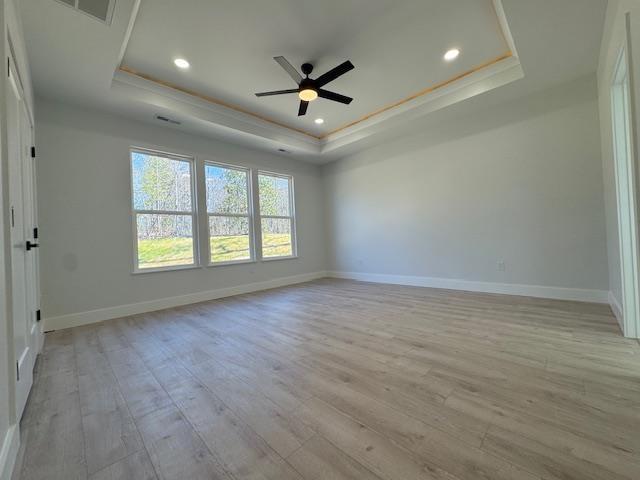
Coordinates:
[339,380]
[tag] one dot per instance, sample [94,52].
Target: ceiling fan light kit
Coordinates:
[310,89]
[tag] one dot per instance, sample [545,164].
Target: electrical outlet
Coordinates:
[502,266]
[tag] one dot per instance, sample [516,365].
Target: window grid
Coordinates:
[258,248]
[248,216]
[139,213]
[290,218]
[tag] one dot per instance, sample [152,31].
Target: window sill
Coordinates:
[144,271]
[232,262]
[219,264]
[273,259]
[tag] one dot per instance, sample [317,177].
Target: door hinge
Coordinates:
[8,67]
[33,152]
[17,372]
[38,316]
[13,217]
[35,232]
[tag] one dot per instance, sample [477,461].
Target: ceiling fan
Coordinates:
[308,88]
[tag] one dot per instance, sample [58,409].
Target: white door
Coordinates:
[25,329]
[31,230]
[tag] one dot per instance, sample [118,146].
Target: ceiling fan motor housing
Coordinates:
[307,83]
[307,68]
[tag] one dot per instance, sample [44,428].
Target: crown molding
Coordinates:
[215,115]
[219,115]
[493,74]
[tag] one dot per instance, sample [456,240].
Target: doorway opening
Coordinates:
[625,177]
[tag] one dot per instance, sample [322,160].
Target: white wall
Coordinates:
[612,42]
[519,183]
[85,220]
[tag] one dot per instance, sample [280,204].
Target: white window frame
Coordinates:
[193,213]
[249,215]
[291,217]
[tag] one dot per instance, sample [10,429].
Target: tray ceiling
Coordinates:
[396,47]
[400,82]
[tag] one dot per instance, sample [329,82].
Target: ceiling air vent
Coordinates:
[162,118]
[100,9]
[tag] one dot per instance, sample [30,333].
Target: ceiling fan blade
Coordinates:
[336,97]
[331,75]
[293,73]
[303,108]
[276,92]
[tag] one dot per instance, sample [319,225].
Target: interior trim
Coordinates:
[216,101]
[421,93]
[209,99]
[117,311]
[537,291]
[9,452]
[617,311]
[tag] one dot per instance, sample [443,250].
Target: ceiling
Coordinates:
[397,48]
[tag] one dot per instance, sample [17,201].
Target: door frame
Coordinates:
[626,190]
[30,198]
[24,356]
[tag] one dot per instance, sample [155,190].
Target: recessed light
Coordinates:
[319,121]
[181,63]
[451,54]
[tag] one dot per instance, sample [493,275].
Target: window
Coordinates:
[163,210]
[229,214]
[277,220]
[166,215]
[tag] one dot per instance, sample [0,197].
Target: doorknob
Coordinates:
[31,245]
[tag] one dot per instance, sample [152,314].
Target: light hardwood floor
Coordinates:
[340,380]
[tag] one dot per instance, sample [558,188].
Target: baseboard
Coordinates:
[617,310]
[557,293]
[93,316]
[9,452]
